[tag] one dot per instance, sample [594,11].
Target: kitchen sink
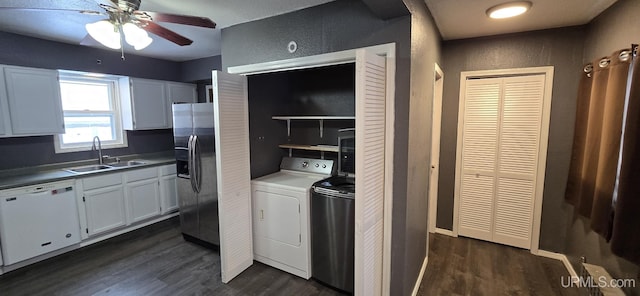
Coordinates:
[88,168]
[127,163]
[99,167]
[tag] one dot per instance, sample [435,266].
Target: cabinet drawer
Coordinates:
[141,174]
[167,170]
[101,181]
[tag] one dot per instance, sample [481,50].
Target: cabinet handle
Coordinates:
[261,214]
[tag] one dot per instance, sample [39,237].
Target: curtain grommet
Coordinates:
[588,68]
[625,55]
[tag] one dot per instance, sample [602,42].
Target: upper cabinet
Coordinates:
[180,93]
[30,102]
[146,104]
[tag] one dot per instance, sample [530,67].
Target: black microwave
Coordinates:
[347,151]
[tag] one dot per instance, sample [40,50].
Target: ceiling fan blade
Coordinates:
[165,33]
[89,12]
[175,18]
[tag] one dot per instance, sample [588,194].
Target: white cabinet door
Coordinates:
[180,93]
[34,101]
[105,209]
[145,105]
[168,194]
[144,199]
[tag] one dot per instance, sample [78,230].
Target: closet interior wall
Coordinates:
[323,91]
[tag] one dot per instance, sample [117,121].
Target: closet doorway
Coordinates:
[503,129]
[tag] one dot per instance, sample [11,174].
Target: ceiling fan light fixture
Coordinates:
[507,10]
[136,36]
[105,32]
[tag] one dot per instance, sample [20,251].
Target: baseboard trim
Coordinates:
[445,232]
[127,229]
[416,287]
[558,256]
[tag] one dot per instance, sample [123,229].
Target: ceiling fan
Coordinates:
[126,21]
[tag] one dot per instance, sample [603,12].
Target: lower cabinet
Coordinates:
[143,199]
[168,189]
[103,198]
[142,192]
[100,207]
[119,199]
[105,209]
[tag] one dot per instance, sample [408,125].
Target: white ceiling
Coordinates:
[459,19]
[456,19]
[68,27]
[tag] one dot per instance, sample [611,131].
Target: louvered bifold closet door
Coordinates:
[370,143]
[479,157]
[233,173]
[518,159]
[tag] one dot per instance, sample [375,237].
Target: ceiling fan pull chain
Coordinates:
[121,43]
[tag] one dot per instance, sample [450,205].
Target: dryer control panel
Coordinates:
[307,165]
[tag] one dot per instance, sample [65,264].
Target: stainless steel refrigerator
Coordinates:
[193,133]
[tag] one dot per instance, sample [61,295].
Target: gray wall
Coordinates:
[615,29]
[425,52]
[200,69]
[561,48]
[335,26]
[32,151]
[33,52]
[38,53]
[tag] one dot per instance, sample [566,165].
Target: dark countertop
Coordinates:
[55,172]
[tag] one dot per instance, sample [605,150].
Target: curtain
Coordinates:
[597,137]
[625,241]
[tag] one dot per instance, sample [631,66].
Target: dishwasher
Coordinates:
[37,219]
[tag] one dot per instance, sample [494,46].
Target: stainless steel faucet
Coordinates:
[99,149]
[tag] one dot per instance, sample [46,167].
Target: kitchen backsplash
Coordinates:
[33,151]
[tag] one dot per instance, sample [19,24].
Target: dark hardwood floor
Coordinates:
[151,261]
[157,261]
[464,266]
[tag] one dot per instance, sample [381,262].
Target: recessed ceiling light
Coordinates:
[507,10]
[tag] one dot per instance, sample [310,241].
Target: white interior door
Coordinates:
[480,124]
[521,122]
[436,121]
[370,171]
[231,118]
[500,150]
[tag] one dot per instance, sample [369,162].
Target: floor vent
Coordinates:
[598,281]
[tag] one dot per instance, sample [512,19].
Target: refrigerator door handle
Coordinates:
[191,163]
[197,164]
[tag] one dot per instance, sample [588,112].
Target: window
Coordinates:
[91,108]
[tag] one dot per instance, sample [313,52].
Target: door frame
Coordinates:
[547,71]
[438,89]
[344,57]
